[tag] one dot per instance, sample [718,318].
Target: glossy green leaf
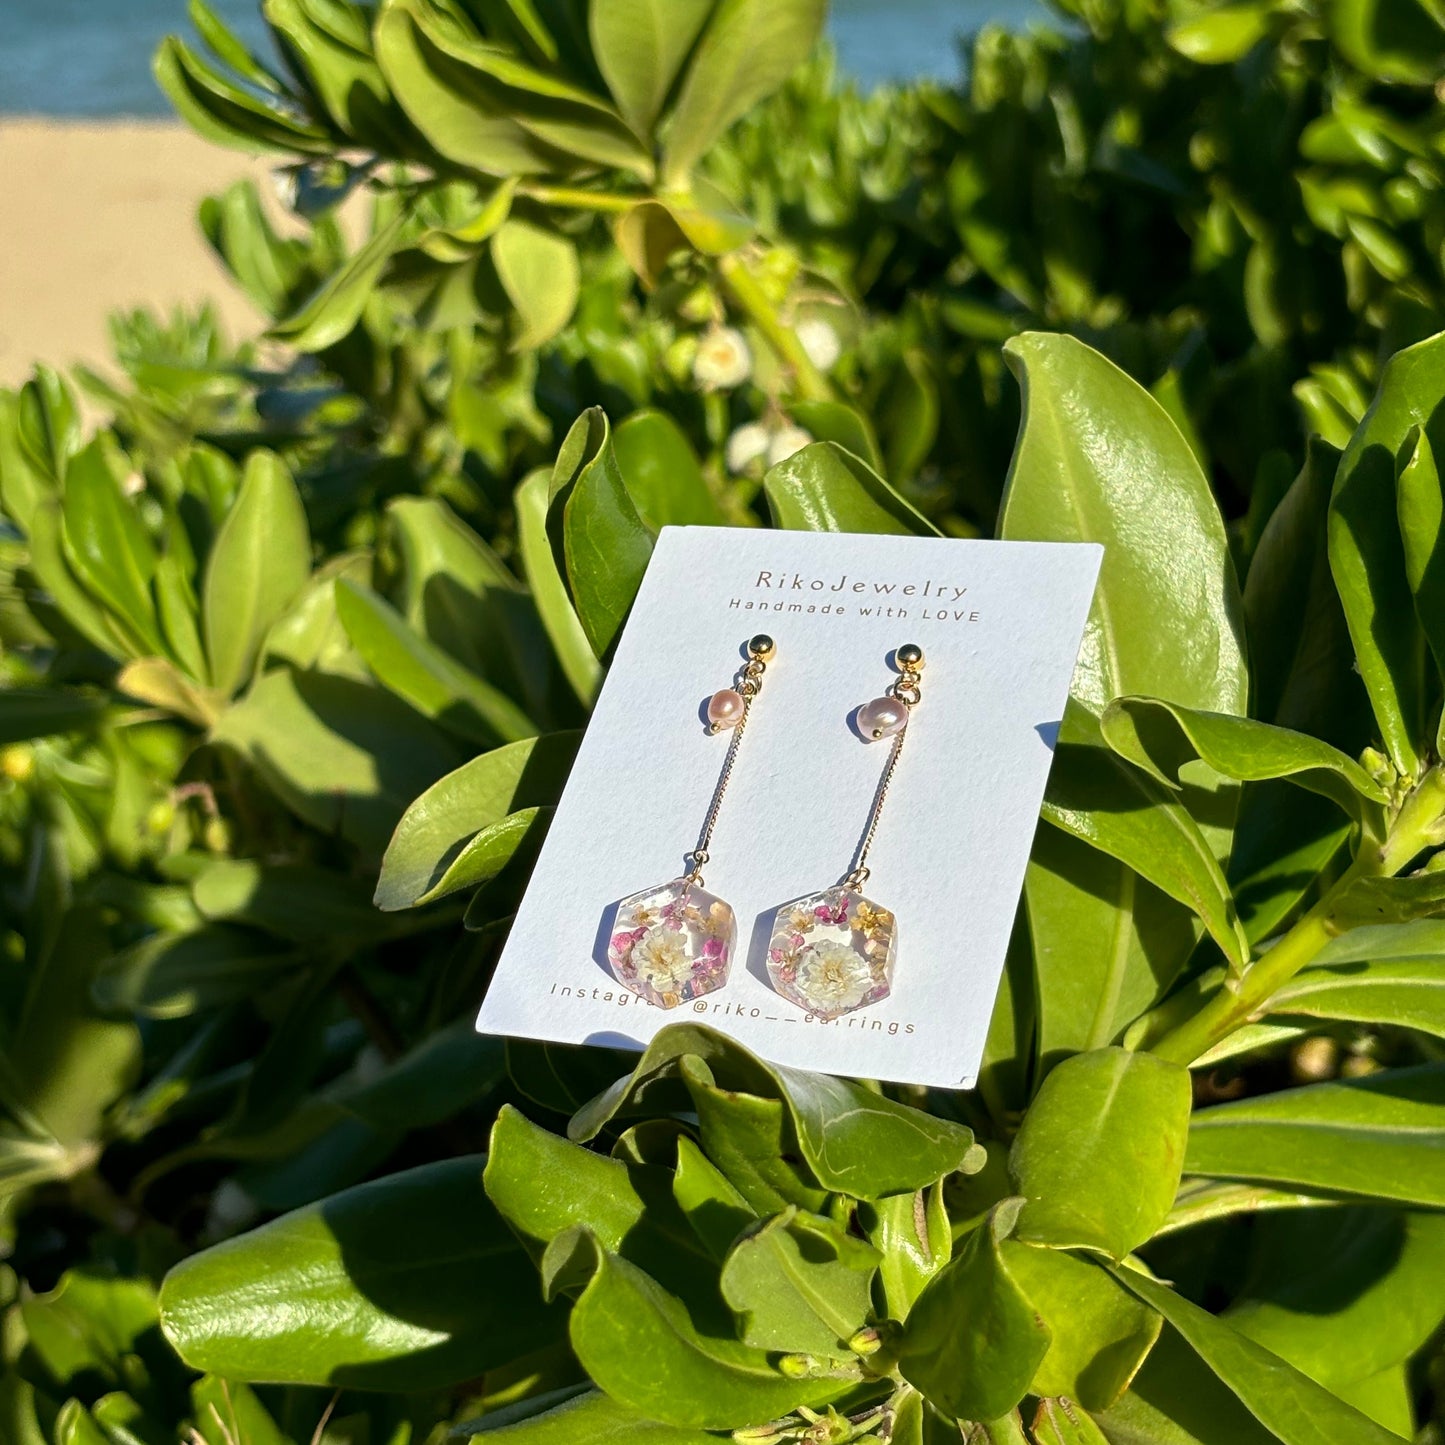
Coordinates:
[1222,34]
[1380,1137]
[409,1282]
[481,794]
[1098,1157]
[825,488]
[107,544]
[836,421]
[345,756]
[605,543]
[1162,737]
[714,1206]
[855,1141]
[911,1232]
[747,50]
[292,901]
[420,673]
[330,314]
[1288,1403]
[1375,1306]
[1062,1422]
[662,474]
[1421,506]
[174,975]
[260,560]
[973,1339]
[1099,460]
[799,1283]
[539,272]
[564,631]
[1367,554]
[588,1419]
[640,46]
[1100,1334]
[227,1411]
[638,1345]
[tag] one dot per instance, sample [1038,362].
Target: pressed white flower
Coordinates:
[832,977]
[749,442]
[787,440]
[661,960]
[723,359]
[820,341]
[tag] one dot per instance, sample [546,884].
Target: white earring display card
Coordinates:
[999,625]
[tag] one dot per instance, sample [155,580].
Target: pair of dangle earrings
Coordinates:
[829,952]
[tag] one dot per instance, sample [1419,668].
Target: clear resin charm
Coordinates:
[832,952]
[672,943]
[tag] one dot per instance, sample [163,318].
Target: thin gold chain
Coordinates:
[750,684]
[906,691]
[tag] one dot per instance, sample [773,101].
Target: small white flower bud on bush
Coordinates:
[820,341]
[723,360]
[749,442]
[787,440]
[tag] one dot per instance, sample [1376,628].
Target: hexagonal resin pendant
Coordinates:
[672,942]
[832,952]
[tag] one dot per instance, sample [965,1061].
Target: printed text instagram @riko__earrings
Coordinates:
[674,942]
[834,951]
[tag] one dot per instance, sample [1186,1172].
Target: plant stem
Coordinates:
[573,198]
[1417,826]
[750,296]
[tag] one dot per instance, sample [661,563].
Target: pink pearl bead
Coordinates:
[882,717]
[725,710]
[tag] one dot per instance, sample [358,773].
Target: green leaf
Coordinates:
[1061,1422]
[294,901]
[605,544]
[259,562]
[34,712]
[1099,1333]
[714,1207]
[1389,974]
[747,51]
[1378,1137]
[539,271]
[1099,460]
[420,673]
[481,794]
[331,313]
[345,756]
[586,1419]
[1374,1306]
[661,473]
[640,46]
[973,1339]
[638,1345]
[825,488]
[448,102]
[1098,1156]
[1220,35]
[564,631]
[410,1282]
[90,1326]
[228,1412]
[228,115]
[855,1141]
[1162,737]
[799,1283]
[911,1232]
[836,421]
[1421,506]
[174,975]
[1290,1404]
[1367,554]
[1125,814]
[107,544]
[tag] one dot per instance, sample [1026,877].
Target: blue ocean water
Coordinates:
[92,57]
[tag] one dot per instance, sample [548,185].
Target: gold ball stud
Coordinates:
[761,646]
[910,657]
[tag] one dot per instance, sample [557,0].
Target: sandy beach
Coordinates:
[100,215]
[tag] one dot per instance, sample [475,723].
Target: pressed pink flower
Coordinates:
[712,949]
[831,915]
[623,943]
